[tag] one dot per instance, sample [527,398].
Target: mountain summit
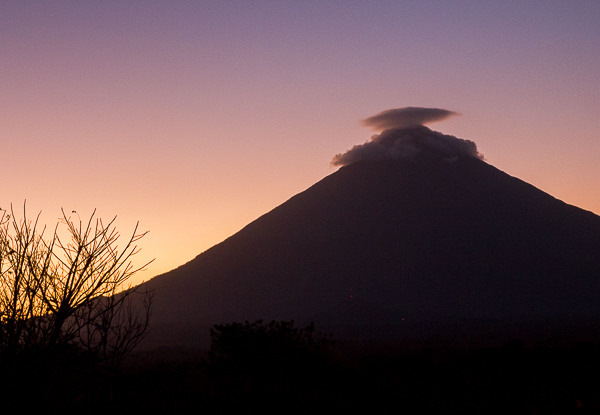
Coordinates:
[433,238]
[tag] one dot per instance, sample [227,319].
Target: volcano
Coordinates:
[384,244]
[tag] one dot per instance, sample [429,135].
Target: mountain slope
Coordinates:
[434,240]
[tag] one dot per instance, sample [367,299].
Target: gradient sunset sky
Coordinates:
[196,117]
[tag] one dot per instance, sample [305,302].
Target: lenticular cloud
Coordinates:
[406,117]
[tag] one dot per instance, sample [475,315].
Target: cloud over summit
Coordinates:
[406,117]
[404,138]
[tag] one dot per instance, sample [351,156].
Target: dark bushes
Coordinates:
[277,349]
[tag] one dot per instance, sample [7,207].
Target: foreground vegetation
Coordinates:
[348,377]
[68,317]
[357,378]
[278,368]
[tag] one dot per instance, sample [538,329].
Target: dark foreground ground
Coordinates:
[361,378]
[547,377]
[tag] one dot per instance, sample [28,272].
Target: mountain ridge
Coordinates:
[427,240]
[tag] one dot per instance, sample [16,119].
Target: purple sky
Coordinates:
[197,117]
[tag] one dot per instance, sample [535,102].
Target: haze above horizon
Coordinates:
[195,118]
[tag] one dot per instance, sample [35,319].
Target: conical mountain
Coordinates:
[383,242]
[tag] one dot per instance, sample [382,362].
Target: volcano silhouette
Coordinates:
[382,243]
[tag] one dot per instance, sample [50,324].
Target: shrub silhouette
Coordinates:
[266,350]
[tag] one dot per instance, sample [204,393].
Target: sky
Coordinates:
[197,117]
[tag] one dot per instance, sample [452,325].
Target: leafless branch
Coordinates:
[69,289]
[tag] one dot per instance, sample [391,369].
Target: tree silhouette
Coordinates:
[68,290]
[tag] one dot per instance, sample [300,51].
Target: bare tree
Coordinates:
[112,326]
[69,289]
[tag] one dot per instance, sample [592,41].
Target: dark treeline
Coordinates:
[512,378]
[279,368]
